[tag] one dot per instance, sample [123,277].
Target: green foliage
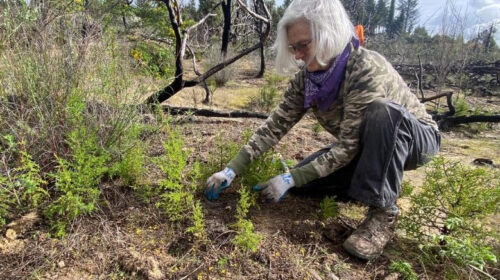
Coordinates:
[406,189]
[131,168]
[462,107]
[198,219]
[221,154]
[174,193]
[245,237]
[77,181]
[317,128]
[268,95]
[404,268]
[22,188]
[154,59]
[263,168]
[464,251]
[329,208]
[5,201]
[29,182]
[448,215]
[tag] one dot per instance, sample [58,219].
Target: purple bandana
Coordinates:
[322,87]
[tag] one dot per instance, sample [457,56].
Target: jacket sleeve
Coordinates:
[362,89]
[289,111]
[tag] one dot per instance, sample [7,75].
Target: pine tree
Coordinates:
[370,16]
[390,15]
[390,27]
[409,10]
[381,14]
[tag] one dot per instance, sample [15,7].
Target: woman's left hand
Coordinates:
[277,187]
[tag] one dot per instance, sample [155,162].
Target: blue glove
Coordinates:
[277,187]
[218,182]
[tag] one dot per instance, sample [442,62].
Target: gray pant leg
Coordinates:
[392,140]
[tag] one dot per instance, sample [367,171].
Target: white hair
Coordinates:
[330,26]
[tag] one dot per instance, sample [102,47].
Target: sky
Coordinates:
[475,14]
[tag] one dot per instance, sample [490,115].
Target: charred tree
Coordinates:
[181,44]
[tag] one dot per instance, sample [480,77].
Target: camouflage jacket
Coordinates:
[369,76]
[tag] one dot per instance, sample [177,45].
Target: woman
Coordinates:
[380,126]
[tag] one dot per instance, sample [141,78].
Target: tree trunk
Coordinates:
[226,10]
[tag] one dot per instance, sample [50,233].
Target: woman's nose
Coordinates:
[299,55]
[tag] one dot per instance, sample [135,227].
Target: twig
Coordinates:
[189,274]
[255,15]
[482,272]
[425,270]
[226,232]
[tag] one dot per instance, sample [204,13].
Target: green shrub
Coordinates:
[22,188]
[77,181]
[329,208]
[173,193]
[221,154]
[462,107]
[448,216]
[268,95]
[29,183]
[404,268]
[245,237]
[317,128]
[154,59]
[222,76]
[198,220]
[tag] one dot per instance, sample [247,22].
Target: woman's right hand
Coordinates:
[218,182]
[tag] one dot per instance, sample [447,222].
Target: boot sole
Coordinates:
[351,250]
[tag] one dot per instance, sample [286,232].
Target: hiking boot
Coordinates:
[369,239]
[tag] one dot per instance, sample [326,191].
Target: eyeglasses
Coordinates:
[298,47]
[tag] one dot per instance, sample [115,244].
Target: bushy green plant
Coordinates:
[77,180]
[198,220]
[221,154]
[268,95]
[172,190]
[317,128]
[154,59]
[176,190]
[29,183]
[245,238]
[448,216]
[462,107]
[404,269]
[329,208]
[22,188]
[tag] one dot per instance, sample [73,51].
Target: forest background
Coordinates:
[114,113]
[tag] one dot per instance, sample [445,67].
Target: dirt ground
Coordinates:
[128,239]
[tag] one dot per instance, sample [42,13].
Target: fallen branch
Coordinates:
[212,113]
[446,122]
[423,100]
[449,101]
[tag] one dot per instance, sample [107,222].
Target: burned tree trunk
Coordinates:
[181,44]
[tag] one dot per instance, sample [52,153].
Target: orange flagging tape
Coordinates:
[360,31]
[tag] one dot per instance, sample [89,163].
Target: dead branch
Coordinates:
[212,113]
[449,101]
[446,122]
[179,83]
[255,15]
